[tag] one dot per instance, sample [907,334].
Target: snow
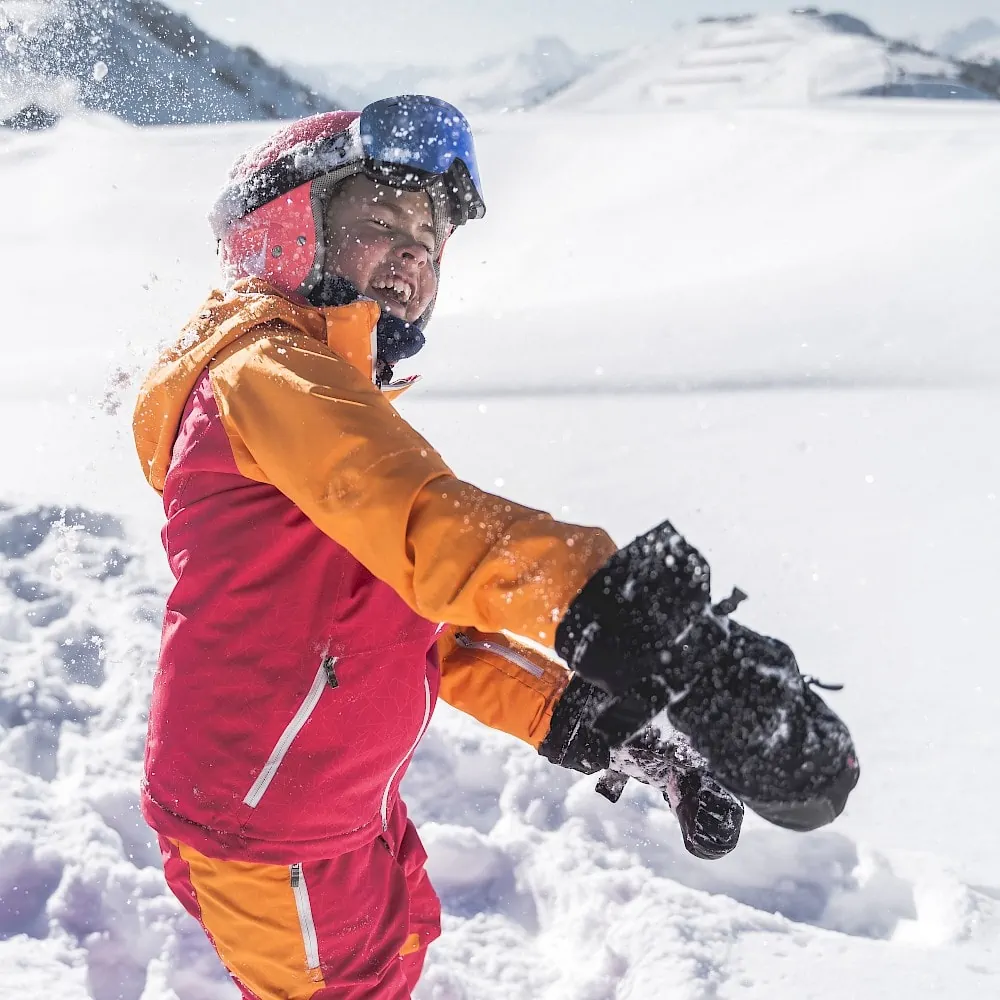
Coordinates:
[774,325]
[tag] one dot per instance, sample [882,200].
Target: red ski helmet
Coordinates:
[269,219]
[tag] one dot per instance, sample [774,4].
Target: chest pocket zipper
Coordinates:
[307,925]
[324,677]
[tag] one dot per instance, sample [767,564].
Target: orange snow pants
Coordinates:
[352,928]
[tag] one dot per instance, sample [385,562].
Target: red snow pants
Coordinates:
[355,927]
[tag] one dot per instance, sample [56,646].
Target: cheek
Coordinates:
[425,292]
[354,259]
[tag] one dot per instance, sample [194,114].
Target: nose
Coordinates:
[412,250]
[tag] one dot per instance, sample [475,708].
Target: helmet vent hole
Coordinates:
[301,240]
[275,251]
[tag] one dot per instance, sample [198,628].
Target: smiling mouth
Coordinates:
[394,290]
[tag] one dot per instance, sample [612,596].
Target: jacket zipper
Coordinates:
[306,923]
[284,744]
[396,770]
[504,652]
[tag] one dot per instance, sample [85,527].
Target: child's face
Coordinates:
[382,240]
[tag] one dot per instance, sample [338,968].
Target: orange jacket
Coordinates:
[293,389]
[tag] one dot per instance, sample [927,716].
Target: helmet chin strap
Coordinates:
[396,339]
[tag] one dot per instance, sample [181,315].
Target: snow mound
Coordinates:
[531,864]
[139,61]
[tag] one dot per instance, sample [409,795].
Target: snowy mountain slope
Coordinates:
[779,332]
[963,42]
[987,51]
[139,61]
[747,61]
[772,60]
[507,81]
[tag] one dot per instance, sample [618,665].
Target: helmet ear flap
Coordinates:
[323,190]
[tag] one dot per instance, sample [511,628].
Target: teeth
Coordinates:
[397,286]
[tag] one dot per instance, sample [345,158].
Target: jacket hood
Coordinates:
[348,330]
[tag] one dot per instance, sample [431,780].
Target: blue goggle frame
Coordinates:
[421,142]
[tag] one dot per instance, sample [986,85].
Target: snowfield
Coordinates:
[775,326]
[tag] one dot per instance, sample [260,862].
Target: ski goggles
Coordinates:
[423,144]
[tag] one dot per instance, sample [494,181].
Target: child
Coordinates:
[318,542]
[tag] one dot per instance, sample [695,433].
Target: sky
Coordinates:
[443,31]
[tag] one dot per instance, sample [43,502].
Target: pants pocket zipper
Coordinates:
[307,925]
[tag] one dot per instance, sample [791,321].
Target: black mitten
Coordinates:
[643,629]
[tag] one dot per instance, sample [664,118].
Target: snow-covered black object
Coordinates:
[710,818]
[644,630]
[142,62]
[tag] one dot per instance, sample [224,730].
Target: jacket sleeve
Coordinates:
[305,421]
[502,683]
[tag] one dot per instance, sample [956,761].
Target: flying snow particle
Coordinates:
[100,70]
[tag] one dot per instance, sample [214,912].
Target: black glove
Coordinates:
[643,630]
[709,817]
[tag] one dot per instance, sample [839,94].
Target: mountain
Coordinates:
[777,60]
[508,81]
[139,61]
[987,51]
[788,59]
[980,35]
